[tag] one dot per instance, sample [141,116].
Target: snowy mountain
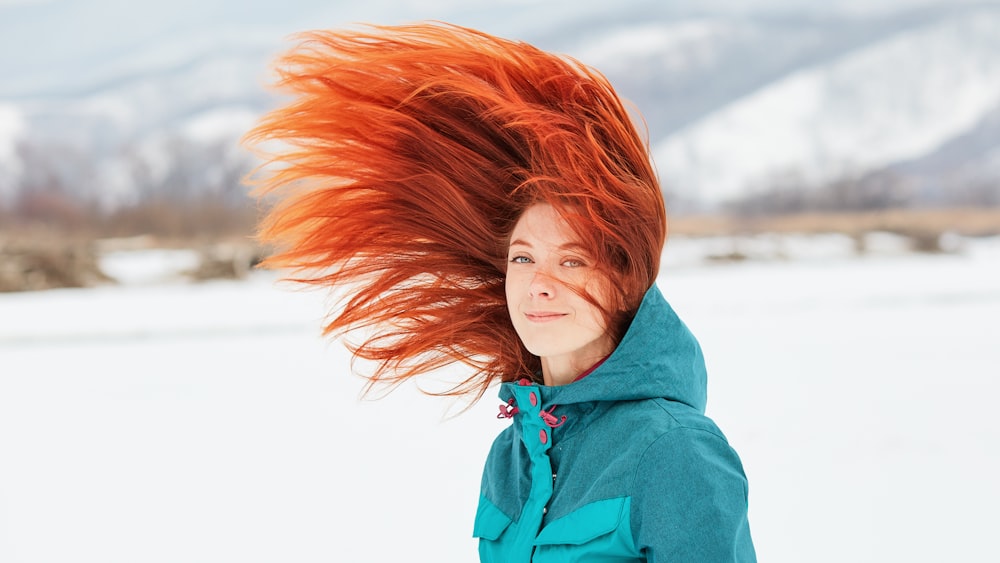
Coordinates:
[732,92]
[897,99]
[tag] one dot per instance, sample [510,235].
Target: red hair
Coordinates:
[407,154]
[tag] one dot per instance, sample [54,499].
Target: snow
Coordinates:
[219,125]
[137,267]
[898,99]
[676,45]
[210,422]
[11,127]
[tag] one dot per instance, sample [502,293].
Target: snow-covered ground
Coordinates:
[168,422]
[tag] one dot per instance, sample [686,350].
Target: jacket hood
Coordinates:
[657,358]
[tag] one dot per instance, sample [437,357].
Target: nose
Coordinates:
[542,285]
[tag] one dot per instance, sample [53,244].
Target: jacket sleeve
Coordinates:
[689,503]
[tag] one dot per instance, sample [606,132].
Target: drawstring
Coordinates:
[550,419]
[509,409]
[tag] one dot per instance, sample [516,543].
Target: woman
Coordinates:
[477,200]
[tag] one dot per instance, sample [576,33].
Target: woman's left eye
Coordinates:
[572,263]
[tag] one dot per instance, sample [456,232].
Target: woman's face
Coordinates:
[545,263]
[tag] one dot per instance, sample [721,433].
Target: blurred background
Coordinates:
[832,173]
[121,120]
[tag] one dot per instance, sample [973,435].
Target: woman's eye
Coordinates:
[572,263]
[520,260]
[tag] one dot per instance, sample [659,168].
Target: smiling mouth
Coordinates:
[544,316]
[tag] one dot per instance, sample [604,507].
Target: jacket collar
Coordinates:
[657,358]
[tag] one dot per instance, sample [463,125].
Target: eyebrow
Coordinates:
[566,246]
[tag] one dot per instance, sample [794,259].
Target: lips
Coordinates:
[543,316]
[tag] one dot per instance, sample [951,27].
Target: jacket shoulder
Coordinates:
[690,495]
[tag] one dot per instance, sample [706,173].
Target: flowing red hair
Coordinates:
[402,162]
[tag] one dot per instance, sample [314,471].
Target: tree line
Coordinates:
[790,192]
[174,188]
[179,188]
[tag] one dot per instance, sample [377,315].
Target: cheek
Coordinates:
[511,292]
[593,318]
[517,283]
[604,293]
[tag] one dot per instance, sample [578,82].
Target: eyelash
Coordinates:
[575,262]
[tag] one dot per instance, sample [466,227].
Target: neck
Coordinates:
[560,370]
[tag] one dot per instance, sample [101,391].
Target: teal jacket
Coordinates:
[622,465]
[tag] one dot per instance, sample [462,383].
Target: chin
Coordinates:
[546,350]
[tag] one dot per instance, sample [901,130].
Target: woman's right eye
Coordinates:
[520,260]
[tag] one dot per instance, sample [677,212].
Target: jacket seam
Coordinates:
[680,425]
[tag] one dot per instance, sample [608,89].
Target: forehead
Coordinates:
[542,224]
